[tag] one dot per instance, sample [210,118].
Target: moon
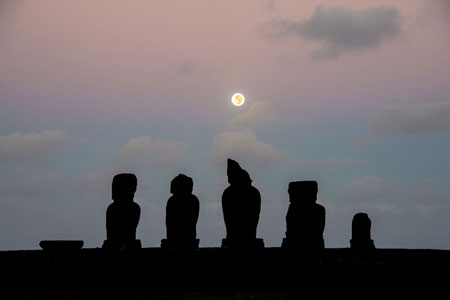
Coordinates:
[237,99]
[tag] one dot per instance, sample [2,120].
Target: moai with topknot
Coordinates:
[241,204]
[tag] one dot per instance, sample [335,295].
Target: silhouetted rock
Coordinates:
[305,219]
[361,239]
[181,215]
[241,203]
[122,216]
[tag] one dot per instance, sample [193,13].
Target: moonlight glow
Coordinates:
[238,99]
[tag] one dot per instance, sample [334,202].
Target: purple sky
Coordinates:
[354,94]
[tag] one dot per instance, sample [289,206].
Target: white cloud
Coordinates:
[260,112]
[31,146]
[406,118]
[342,29]
[142,151]
[244,146]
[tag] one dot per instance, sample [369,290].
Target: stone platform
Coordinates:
[214,273]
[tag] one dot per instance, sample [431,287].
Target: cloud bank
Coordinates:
[244,146]
[259,113]
[341,30]
[404,118]
[368,189]
[31,146]
[142,151]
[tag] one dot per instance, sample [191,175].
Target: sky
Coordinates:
[353,94]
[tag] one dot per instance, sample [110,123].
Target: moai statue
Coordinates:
[241,204]
[181,215]
[305,219]
[361,239]
[122,216]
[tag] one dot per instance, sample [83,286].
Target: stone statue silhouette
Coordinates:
[361,239]
[181,215]
[305,219]
[241,204]
[122,216]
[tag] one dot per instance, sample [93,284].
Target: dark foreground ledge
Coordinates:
[212,273]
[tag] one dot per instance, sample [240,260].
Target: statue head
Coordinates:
[123,187]
[361,225]
[304,192]
[236,175]
[181,185]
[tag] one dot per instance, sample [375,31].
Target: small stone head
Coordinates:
[303,192]
[236,175]
[361,226]
[123,187]
[181,185]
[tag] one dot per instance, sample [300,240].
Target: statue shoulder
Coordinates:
[320,208]
[194,199]
[112,207]
[255,191]
[227,191]
[135,206]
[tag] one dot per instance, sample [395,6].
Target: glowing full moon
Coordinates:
[237,99]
